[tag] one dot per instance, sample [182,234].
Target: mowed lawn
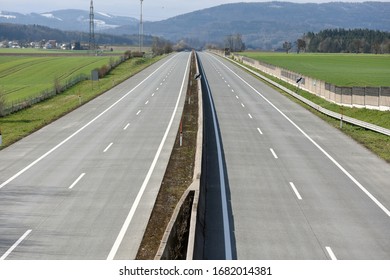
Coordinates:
[22,77]
[338,69]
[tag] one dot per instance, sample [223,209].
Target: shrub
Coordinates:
[2,102]
[127,54]
[103,71]
[57,85]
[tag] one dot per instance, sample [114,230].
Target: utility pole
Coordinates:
[141,30]
[91,28]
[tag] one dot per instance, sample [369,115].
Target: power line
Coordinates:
[141,30]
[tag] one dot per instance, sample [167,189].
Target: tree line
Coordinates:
[342,41]
[235,43]
[25,34]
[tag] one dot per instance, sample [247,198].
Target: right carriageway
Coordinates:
[295,188]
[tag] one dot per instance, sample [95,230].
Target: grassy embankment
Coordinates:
[341,70]
[21,124]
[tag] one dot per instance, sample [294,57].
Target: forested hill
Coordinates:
[354,41]
[267,25]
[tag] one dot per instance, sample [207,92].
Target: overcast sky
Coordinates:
[152,9]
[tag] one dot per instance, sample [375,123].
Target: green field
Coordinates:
[37,51]
[22,77]
[24,122]
[338,69]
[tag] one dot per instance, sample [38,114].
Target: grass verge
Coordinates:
[178,175]
[18,125]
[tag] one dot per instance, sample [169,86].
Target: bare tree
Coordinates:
[301,45]
[229,42]
[234,42]
[358,44]
[287,46]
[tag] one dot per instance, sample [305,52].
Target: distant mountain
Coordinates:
[262,25]
[69,20]
[268,25]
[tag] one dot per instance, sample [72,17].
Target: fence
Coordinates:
[17,105]
[21,104]
[332,114]
[363,97]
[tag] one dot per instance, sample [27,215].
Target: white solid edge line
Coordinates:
[357,183]
[331,254]
[134,207]
[273,153]
[80,129]
[295,191]
[108,147]
[225,213]
[13,247]
[77,180]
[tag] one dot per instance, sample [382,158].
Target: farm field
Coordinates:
[339,69]
[20,124]
[27,76]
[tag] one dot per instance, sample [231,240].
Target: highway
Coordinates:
[83,187]
[281,183]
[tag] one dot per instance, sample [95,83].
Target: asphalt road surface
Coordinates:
[285,184]
[84,186]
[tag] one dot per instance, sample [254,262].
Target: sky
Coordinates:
[153,10]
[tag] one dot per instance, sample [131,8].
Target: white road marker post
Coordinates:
[181,133]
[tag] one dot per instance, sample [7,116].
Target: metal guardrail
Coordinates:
[327,112]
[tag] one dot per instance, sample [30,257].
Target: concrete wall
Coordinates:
[364,97]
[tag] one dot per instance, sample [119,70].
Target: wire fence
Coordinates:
[362,97]
[17,105]
[338,116]
[7,108]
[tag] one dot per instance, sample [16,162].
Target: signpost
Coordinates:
[299,80]
[94,76]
